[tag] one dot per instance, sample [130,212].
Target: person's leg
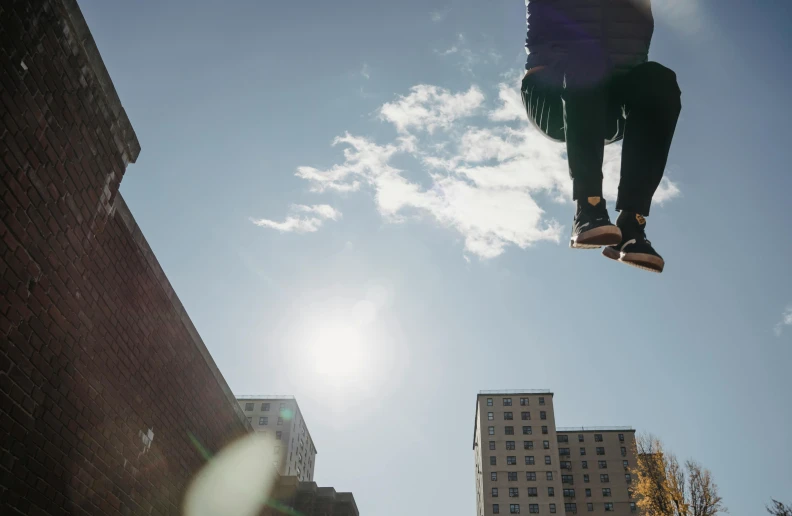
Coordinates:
[651,97]
[586,117]
[541,97]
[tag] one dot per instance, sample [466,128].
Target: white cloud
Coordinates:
[365,71]
[437,15]
[511,107]
[481,182]
[430,107]
[786,320]
[310,222]
[468,58]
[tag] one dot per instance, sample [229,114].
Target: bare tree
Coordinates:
[779,509]
[704,497]
[663,487]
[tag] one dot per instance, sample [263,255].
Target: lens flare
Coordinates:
[238,480]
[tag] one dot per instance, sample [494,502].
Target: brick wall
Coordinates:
[98,354]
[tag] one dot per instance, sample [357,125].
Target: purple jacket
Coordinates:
[593,38]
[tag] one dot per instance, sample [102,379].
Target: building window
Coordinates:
[546,445]
[569,493]
[532,491]
[514,508]
[527,430]
[542,415]
[551,491]
[278,435]
[590,507]
[490,416]
[580,438]
[598,438]
[565,464]
[570,507]
[507,402]
[282,406]
[494,476]
[248,406]
[600,451]
[552,508]
[512,476]
[627,478]
[549,475]
[526,416]
[582,451]
[602,464]
[530,476]
[588,492]
[604,478]
[632,507]
[621,438]
[585,479]
[491,430]
[606,491]
[563,438]
[508,415]
[524,402]
[567,479]
[529,460]
[489,402]
[563,451]
[263,420]
[547,460]
[544,429]
[495,509]
[623,451]
[541,400]
[608,507]
[250,419]
[494,492]
[493,461]
[511,460]
[280,421]
[533,508]
[528,445]
[626,464]
[492,445]
[509,430]
[514,492]
[584,464]
[509,445]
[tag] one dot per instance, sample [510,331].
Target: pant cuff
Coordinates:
[624,203]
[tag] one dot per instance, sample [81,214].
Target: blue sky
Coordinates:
[387,278]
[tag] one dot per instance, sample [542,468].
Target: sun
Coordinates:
[336,345]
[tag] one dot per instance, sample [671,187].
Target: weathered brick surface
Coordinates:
[96,348]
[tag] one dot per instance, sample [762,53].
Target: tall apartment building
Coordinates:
[281,417]
[525,464]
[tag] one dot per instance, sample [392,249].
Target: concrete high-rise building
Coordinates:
[280,416]
[525,464]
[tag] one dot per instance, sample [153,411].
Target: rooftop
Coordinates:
[521,391]
[595,429]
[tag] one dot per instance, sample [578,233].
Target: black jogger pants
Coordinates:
[640,107]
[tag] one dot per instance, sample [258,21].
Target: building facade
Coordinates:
[280,416]
[526,464]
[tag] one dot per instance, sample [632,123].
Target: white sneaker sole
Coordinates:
[647,262]
[596,238]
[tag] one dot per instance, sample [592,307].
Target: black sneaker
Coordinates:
[592,227]
[634,249]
